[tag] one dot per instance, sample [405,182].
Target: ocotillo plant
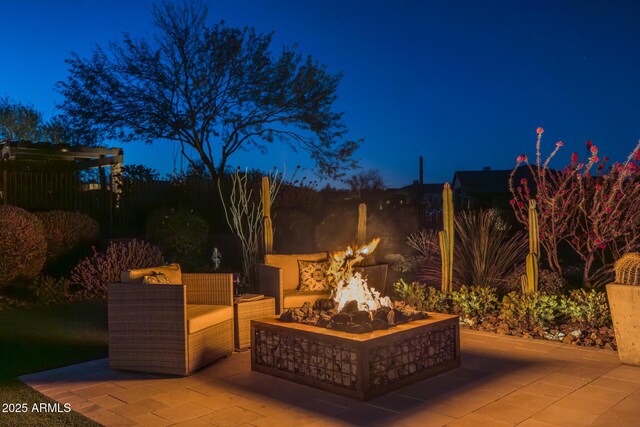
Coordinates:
[446,239]
[529,282]
[361,237]
[266,215]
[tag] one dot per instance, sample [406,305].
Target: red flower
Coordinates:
[512,202]
[594,149]
[606,159]
[523,181]
[539,131]
[594,159]
[598,187]
[602,246]
[520,205]
[589,144]
[574,158]
[559,144]
[636,156]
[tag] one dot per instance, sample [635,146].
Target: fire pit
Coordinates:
[360,366]
[356,343]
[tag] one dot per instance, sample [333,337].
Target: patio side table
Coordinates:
[245,312]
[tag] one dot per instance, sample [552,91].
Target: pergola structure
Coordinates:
[81,157]
[42,175]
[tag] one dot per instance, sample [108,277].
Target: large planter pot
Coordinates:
[624,301]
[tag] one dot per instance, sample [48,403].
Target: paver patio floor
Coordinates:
[503,381]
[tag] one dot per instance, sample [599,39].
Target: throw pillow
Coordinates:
[156,279]
[313,276]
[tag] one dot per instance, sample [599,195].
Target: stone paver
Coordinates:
[503,381]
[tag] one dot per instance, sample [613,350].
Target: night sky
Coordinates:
[464,84]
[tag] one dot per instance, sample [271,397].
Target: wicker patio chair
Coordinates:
[170,329]
[279,277]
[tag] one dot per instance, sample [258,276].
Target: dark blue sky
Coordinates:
[465,84]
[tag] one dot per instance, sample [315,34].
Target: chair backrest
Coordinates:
[172,271]
[289,265]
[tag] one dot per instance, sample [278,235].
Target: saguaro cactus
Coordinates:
[529,282]
[446,239]
[266,215]
[361,237]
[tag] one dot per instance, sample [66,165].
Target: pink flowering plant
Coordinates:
[590,206]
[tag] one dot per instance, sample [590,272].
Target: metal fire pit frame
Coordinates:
[356,365]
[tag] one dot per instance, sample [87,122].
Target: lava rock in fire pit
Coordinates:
[377,324]
[323,304]
[358,328]
[341,318]
[350,307]
[324,313]
[361,316]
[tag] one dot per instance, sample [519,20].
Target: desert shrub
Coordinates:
[422,297]
[94,272]
[182,235]
[65,231]
[549,282]
[486,252]
[49,290]
[590,307]
[23,246]
[475,301]
[535,309]
[411,293]
[425,242]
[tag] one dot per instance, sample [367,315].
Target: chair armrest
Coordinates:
[270,281]
[146,308]
[209,288]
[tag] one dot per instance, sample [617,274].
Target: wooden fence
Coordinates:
[125,213]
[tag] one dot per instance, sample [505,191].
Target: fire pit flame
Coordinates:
[356,289]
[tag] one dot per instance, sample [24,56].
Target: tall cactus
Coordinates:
[362,224]
[267,229]
[446,239]
[529,282]
[266,197]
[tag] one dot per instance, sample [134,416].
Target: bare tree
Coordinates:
[365,181]
[215,89]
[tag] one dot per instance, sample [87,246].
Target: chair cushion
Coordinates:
[293,299]
[201,317]
[314,276]
[172,271]
[289,265]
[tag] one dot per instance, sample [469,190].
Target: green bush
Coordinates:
[536,309]
[49,290]
[93,273]
[422,297]
[551,282]
[475,301]
[23,246]
[65,231]
[181,234]
[590,307]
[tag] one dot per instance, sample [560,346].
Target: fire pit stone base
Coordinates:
[356,365]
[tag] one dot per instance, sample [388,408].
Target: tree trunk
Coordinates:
[585,274]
